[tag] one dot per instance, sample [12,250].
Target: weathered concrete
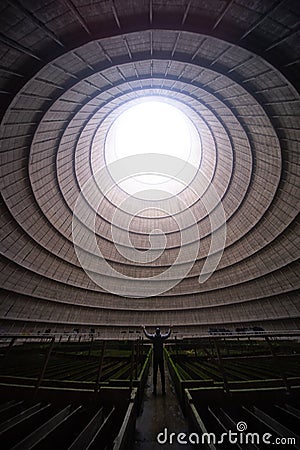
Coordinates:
[67,67]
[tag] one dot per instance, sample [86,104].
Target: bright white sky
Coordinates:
[151,126]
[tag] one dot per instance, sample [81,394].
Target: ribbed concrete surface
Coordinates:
[68,68]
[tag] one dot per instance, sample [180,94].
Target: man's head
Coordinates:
[157,331]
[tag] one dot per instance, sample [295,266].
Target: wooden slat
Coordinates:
[8,408]
[8,405]
[198,419]
[232,424]
[26,414]
[40,433]
[87,435]
[125,430]
[293,410]
[105,423]
[273,424]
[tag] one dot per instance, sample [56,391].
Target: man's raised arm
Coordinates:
[149,336]
[165,336]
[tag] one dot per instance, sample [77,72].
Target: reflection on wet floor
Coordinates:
[160,412]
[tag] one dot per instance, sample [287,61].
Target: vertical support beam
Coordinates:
[91,345]
[222,370]
[176,348]
[150,11]
[226,346]
[8,350]
[212,347]
[143,350]
[131,368]
[137,358]
[229,4]
[277,363]
[205,349]
[41,376]
[98,379]
[251,344]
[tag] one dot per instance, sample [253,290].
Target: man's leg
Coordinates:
[162,376]
[155,369]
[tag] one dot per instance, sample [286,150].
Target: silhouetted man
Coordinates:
[158,356]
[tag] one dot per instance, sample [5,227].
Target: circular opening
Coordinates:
[157,128]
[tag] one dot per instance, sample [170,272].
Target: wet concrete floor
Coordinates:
[160,412]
